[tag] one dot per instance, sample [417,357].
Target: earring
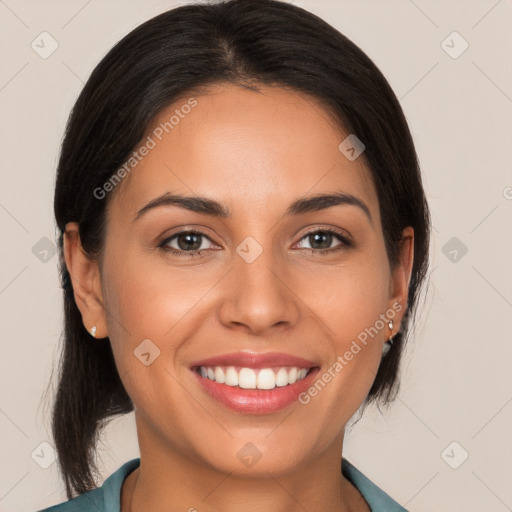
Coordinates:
[93,331]
[389,343]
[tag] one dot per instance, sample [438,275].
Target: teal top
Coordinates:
[107,498]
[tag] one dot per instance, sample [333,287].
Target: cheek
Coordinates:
[144,291]
[348,298]
[148,323]
[351,302]
[146,298]
[146,303]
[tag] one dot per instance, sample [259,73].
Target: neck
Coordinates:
[168,480]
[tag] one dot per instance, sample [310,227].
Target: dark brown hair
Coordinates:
[183,50]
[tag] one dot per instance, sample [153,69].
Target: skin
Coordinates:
[255,152]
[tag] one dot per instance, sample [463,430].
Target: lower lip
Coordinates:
[256,401]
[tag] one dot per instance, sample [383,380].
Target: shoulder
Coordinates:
[377,499]
[106,498]
[91,500]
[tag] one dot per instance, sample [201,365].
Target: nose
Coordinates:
[258,297]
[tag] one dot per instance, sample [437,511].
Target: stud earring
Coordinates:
[389,343]
[93,331]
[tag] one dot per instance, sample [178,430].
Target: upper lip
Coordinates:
[256,361]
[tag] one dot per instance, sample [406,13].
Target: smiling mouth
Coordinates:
[255,383]
[252,378]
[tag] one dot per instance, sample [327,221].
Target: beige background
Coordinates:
[456,383]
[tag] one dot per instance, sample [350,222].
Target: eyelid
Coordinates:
[343,236]
[185,230]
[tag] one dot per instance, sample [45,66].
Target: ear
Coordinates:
[401,276]
[86,280]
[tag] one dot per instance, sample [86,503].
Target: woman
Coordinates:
[244,235]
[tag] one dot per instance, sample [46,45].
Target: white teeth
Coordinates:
[292,376]
[247,378]
[266,379]
[282,378]
[231,377]
[219,375]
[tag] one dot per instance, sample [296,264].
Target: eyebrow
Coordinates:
[213,208]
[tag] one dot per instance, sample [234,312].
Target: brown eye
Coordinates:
[189,241]
[185,243]
[321,241]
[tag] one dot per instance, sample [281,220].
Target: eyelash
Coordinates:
[345,243]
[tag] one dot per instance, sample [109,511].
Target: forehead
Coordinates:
[255,151]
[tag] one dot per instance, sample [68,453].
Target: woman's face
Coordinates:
[267,286]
